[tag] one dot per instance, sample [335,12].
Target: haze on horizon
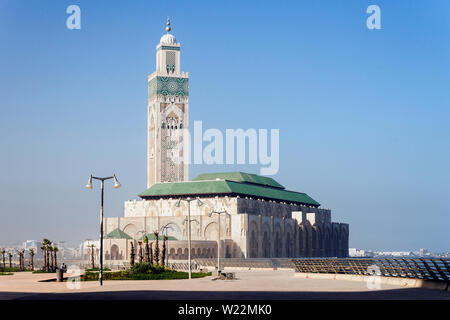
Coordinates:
[363,114]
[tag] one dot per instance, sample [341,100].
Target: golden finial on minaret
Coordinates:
[168,25]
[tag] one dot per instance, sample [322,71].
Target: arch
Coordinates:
[253,232]
[115,252]
[266,244]
[290,241]
[131,230]
[266,241]
[278,244]
[174,230]
[289,246]
[227,252]
[172,253]
[211,231]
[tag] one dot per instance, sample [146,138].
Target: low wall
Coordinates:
[402,282]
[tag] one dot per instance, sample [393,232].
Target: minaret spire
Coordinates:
[168,25]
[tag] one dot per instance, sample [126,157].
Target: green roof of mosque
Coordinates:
[250,185]
[117,234]
[240,177]
[151,236]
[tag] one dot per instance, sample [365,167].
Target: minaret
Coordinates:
[168,107]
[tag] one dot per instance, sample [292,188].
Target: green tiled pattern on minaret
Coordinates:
[168,86]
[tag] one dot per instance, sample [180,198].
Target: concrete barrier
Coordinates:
[401,282]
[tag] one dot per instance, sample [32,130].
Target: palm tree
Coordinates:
[163,255]
[147,249]
[45,246]
[92,246]
[140,251]
[156,246]
[10,258]
[50,252]
[55,251]
[20,254]
[31,252]
[151,252]
[45,257]
[3,257]
[132,255]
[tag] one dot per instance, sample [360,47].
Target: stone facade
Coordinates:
[253,229]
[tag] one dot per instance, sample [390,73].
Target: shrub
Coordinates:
[42,271]
[145,267]
[128,275]
[13,269]
[97,269]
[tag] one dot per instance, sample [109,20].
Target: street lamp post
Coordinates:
[89,186]
[218,241]
[199,203]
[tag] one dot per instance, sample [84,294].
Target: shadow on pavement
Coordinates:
[396,294]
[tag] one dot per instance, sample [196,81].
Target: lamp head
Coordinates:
[210,214]
[116,182]
[178,203]
[199,202]
[89,184]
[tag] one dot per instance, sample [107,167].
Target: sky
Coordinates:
[363,114]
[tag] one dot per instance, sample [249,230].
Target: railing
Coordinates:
[416,268]
[247,263]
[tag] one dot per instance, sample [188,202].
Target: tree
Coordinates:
[92,246]
[3,257]
[55,251]
[50,252]
[140,251]
[45,246]
[31,252]
[10,259]
[45,259]
[156,246]
[147,249]
[20,253]
[163,255]
[132,254]
[151,252]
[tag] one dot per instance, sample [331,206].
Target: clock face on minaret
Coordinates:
[168,106]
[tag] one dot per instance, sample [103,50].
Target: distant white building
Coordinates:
[357,253]
[35,245]
[395,253]
[85,249]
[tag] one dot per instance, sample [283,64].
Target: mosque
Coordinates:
[260,218]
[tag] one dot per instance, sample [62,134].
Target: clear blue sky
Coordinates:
[363,114]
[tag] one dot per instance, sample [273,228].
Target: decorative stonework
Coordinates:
[168,86]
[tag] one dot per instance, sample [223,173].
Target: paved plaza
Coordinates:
[250,284]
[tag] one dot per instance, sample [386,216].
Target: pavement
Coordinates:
[249,285]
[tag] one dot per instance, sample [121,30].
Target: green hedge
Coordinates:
[129,275]
[97,269]
[13,269]
[43,271]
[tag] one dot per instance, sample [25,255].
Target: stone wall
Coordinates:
[270,229]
